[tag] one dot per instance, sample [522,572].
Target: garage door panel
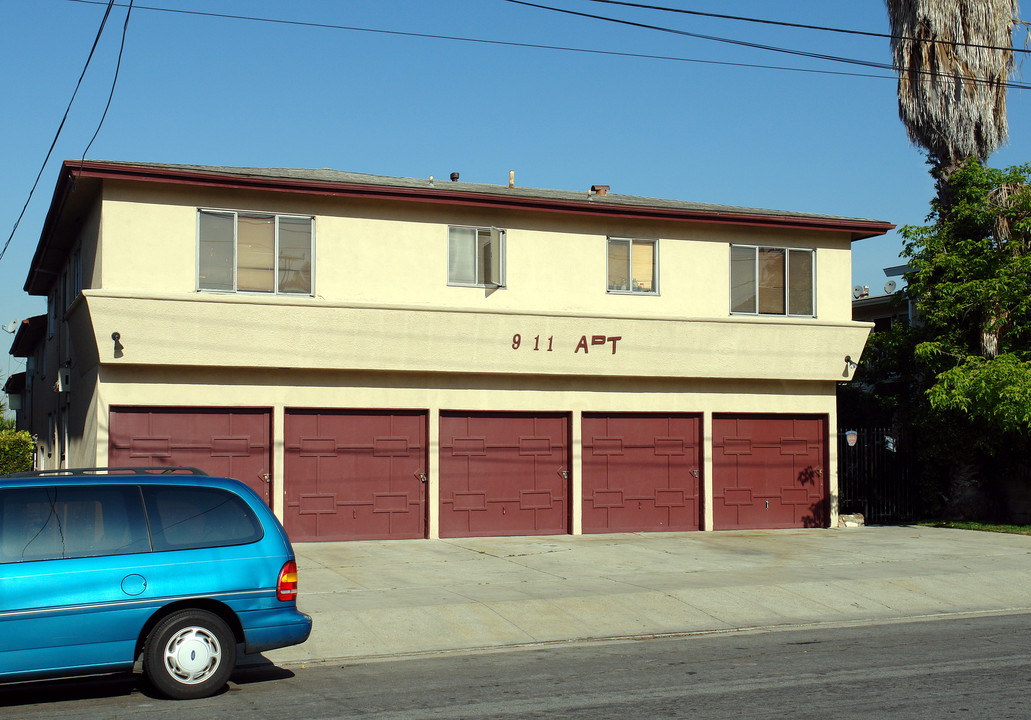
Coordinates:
[639,472]
[354,474]
[229,442]
[768,472]
[503,474]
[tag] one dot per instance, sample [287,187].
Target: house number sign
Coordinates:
[584,345]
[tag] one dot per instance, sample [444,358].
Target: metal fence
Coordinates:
[874,476]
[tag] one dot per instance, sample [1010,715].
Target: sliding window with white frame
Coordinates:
[254,252]
[772,281]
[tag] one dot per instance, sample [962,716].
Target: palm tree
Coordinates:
[953,58]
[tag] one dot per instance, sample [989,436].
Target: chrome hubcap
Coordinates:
[192,655]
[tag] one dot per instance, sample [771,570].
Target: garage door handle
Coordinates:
[695,472]
[421,476]
[564,474]
[267,477]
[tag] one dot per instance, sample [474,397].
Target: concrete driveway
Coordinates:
[410,596]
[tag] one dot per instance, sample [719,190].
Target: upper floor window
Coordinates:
[772,281]
[74,276]
[52,300]
[633,266]
[476,256]
[254,252]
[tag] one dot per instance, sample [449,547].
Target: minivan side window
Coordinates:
[183,518]
[51,523]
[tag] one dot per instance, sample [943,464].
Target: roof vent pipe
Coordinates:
[511,179]
[454,177]
[599,189]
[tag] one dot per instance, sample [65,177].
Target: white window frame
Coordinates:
[629,290]
[235,214]
[787,278]
[491,238]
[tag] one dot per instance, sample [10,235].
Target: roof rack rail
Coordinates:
[129,470]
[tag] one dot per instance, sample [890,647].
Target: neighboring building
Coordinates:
[396,358]
[884,310]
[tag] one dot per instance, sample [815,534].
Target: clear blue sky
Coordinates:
[221,91]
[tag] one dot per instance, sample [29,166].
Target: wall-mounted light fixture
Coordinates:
[850,363]
[116,336]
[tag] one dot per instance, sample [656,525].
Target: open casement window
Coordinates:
[772,281]
[476,257]
[254,252]
[633,266]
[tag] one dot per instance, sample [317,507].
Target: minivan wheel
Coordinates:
[190,654]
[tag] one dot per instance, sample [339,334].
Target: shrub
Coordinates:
[17,448]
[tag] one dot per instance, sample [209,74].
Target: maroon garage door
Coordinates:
[640,473]
[769,471]
[355,475]
[503,474]
[220,441]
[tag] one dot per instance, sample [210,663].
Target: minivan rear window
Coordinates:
[50,523]
[182,518]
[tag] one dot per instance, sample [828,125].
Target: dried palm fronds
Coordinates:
[953,63]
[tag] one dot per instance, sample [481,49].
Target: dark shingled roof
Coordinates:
[339,177]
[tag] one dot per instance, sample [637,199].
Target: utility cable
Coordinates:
[114,81]
[535,46]
[744,43]
[21,215]
[802,26]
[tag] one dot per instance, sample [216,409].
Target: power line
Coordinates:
[539,46]
[685,33]
[771,48]
[803,26]
[114,81]
[21,215]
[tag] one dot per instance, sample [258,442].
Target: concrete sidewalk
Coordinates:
[385,598]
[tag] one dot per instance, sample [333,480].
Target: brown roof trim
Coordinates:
[215,177]
[29,335]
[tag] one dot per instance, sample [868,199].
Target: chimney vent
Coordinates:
[599,189]
[454,177]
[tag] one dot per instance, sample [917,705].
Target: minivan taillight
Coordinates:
[286,588]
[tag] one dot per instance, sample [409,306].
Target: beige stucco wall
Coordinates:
[230,331]
[371,252]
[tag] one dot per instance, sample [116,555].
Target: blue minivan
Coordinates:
[102,567]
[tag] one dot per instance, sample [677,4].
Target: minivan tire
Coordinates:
[190,654]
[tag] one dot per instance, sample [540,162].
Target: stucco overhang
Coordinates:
[78,181]
[229,331]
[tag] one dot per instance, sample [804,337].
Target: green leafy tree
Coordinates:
[960,379]
[972,282]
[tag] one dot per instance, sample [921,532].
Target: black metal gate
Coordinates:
[874,475]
